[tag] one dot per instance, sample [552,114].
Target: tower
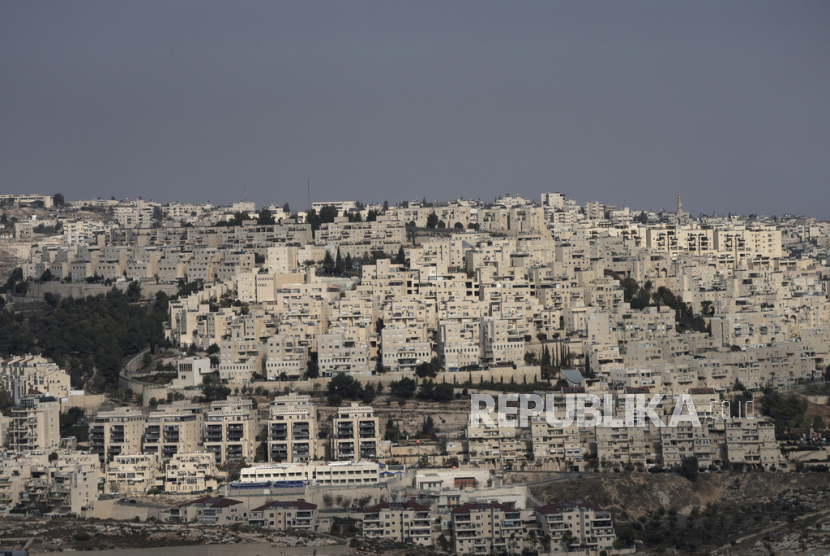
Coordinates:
[679,205]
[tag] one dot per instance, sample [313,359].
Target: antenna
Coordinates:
[308,187]
[245,194]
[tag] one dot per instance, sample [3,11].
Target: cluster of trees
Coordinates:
[338,265]
[345,387]
[787,412]
[556,359]
[236,220]
[646,296]
[407,388]
[14,284]
[428,369]
[91,337]
[326,215]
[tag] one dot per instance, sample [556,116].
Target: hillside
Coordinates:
[665,510]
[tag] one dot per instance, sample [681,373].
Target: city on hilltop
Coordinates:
[306,376]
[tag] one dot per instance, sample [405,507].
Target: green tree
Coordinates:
[432,220]
[400,258]
[328,264]
[312,368]
[689,468]
[58,199]
[134,291]
[404,388]
[327,214]
[265,218]
[346,387]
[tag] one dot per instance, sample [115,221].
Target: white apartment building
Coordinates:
[173,429]
[355,433]
[116,432]
[132,473]
[230,430]
[292,429]
[35,425]
[404,522]
[191,472]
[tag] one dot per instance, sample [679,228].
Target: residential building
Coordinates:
[403,522]
[355,433]
[115,432]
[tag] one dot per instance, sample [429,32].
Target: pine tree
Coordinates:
[546,357]
[339,264]
[328,264]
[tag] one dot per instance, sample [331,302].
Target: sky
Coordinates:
[633,103]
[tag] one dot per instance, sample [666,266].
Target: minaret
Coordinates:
[679,206]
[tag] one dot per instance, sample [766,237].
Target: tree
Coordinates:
[372,215]
[400,258]
[327,214]
[346,387]
[428,369]
[432,220]
[641,218]
[286,208]
[134,291]
[58,199]
[265,218]
[312,369]
[339,264]
[46,276]
[689,468]
[458,226]
[369,394]
[428,426]
[328,263]
[385,205]
[403,388]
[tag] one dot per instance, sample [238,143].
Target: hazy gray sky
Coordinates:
[625,102]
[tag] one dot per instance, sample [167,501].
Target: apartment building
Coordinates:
[292,429]
[488,528]
[497,447]
[562,445]
[132,473]
[500,343]
[188,473]
[355,433]
[620,445]
[21,375]
[35,425]
[752,442]
[210,510]
[286,357]
[230,430]
[590,528]
[284,515]
[342,353]
[404,522]
[173,429]
[116,432]
[685,441]
[404,348]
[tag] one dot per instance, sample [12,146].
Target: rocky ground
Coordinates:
[61,535]
[719,513]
